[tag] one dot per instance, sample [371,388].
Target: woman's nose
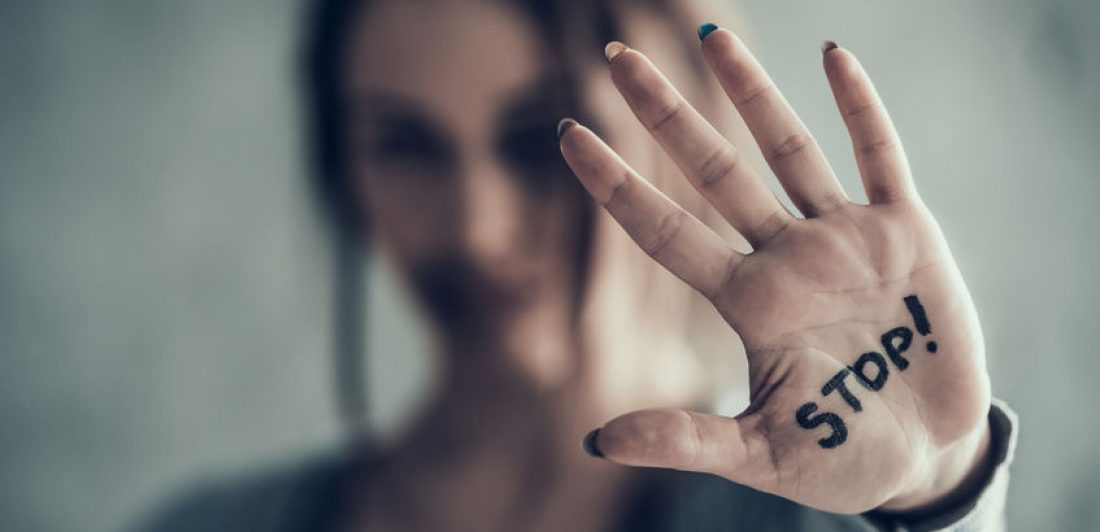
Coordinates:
[490,214]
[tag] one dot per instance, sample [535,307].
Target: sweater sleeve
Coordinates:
[984,512]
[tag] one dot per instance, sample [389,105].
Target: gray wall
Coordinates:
[163,281]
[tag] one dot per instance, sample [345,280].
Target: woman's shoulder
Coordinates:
[301,494]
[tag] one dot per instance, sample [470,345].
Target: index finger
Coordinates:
[674,238]
[710,162]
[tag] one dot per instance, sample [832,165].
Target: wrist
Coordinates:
[955,475]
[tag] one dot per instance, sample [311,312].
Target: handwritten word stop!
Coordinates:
[870,370]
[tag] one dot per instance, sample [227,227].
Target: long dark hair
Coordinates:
[574,27]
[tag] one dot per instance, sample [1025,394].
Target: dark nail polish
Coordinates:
[564,126]
[705,29]
[590,446]
[826,46]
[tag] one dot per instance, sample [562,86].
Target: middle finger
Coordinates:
[790,149]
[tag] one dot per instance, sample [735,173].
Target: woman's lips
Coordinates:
[457,291]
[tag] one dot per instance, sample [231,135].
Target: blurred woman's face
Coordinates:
[452,107]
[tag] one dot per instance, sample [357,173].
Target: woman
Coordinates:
[866,373]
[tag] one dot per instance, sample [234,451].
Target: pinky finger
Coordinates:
[879,155]
[677,240]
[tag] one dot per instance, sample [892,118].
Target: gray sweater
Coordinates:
[310,497]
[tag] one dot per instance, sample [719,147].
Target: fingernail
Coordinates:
[564,126]
[590,446]
[826,46]
[705,29]
[613,49]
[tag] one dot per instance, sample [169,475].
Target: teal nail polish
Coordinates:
[705,29]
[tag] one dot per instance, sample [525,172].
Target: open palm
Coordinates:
[866,361]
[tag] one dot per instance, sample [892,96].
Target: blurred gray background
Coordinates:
[164,282]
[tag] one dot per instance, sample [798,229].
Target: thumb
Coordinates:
[688,441]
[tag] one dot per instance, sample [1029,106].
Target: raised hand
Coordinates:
[867,368]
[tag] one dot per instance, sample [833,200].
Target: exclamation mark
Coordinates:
[920,319]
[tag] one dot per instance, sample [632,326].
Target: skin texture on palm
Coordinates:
[813,296]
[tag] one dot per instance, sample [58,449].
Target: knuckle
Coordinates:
[666,232]
[750,96]
[696,446]
[879,146]
[771,227]
[829,201]
[790,145]
[682,446]
[665,113]
[863,109]
[723,285]
[718,166]
[884,190]
[618,189]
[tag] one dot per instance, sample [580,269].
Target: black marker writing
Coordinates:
[920,319]
[860,370]
[840,431]
[893,350]
[837,383]
[894,342]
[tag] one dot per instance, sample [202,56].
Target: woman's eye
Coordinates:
[399,146]
[403,148]
[532,149]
